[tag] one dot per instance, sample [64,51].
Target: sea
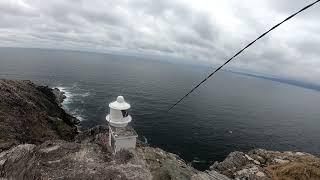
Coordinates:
[231,112]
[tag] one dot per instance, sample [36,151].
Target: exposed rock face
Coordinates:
[59,96]
[260,164]
[58,159]
[92,134]
[167,166]
[68,160]
[55,95]
[160,164]
[30,114]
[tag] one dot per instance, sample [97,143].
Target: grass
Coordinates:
[302,168]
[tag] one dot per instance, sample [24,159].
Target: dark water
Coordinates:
[231,112]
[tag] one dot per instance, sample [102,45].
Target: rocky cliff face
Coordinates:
[31,114]
[39,140]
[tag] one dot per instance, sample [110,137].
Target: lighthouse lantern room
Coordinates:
[121,135]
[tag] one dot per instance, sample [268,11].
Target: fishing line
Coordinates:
[239,52]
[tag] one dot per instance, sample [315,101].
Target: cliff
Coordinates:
[30,114]
[39,140]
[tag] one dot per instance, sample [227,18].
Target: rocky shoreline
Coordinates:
[39,140]
[30,114]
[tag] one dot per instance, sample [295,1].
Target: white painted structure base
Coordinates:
[122,138]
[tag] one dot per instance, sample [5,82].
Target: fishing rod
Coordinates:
[239,52]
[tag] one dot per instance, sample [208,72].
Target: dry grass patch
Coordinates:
[302,168]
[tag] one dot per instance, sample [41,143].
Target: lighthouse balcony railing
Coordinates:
[126,119]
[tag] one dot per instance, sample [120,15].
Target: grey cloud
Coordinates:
[170,27]
[289,6]
[159,8]
[16,9]
[204,28]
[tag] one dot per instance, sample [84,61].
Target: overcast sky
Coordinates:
[204,31]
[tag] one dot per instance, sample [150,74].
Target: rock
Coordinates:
[164,165]
[7,144]
[256,162]
[251,172]
[251,159]
[260,174]
[59,96]
[261,164]
[239,165]
[30,114]
[57,159]
[55,95]
[248,157]
[209,175]
[15,160]
[231,164]
[300,154]
[280,161]
[92,134]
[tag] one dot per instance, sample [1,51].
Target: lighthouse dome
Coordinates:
[119,104]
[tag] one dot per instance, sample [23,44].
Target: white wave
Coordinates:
[79,117]
[86,94]
[69,99]
[78,113]
[74,94]
[68,95]
[145,140]
[197,160]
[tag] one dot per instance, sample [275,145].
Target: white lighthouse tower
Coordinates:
[121,136]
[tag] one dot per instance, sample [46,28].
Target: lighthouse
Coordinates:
[121,135]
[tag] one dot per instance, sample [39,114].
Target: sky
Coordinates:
[203,31]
